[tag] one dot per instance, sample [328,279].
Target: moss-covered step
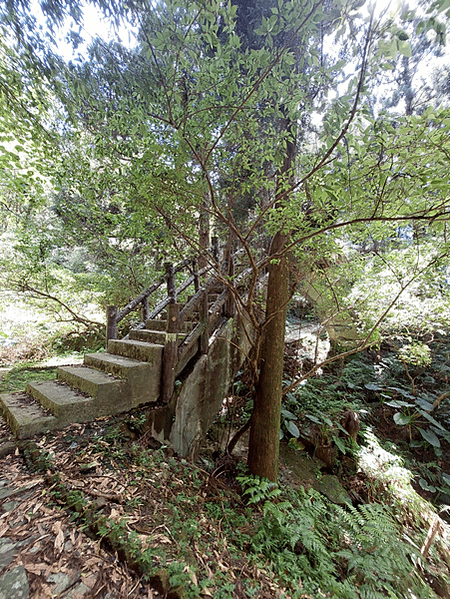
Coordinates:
[25,416]
[143,379]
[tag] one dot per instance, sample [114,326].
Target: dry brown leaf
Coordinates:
[37,506]
[36,568]
[56,527]
[92,561]
[90,580]
[59,542]
[3,528]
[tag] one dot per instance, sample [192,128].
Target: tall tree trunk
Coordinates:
[264,445]
[265,424]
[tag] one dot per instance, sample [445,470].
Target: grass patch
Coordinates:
[17,378]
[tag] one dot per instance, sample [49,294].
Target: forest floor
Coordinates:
[102,510]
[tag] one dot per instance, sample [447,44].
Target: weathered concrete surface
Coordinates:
[200,397]
[341,329]
[66,404]
[25,419]
[137,350]
[143,379]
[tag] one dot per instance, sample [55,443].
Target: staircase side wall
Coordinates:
[202,393]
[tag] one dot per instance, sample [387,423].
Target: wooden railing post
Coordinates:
[215,248]
[170,355]
[229,307]
[145,309]
[203,317]
[196,277]
[171,288]
[111,323]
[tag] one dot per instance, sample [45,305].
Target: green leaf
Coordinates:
[397,403]
[340,444]
[430,437]
[373,387]
[402,419]
[288,414]
[425,404]
[404,48]
[425,486]
[292,428]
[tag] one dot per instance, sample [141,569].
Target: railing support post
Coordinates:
[229,307]
[171,288]
[203,318]
[170,355]
[145,309]
[215,249]
[111,323]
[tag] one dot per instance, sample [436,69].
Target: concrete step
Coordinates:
[136,350]
[25,416]
[161,325]
[142,379]
[103,387]
[66,404]
[156,325]
[158,337]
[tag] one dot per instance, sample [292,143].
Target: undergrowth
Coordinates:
[180,524]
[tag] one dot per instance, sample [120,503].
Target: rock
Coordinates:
[78,592]
[330,486]
[62,581]
[9,506]
[14,584]
[8,551]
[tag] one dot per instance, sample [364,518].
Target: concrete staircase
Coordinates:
[126,376]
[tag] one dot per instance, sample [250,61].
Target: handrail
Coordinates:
[114,316]
[178,351]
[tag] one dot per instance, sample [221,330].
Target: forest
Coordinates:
[299,151]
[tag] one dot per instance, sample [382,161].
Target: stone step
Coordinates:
[25,416]
[142,379]
[158,337]
[103,387]
[66,404]
[161,325]
[116,365]
[136,350]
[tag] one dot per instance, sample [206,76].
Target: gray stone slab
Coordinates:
[14,584]
[77,592]
[62,581]
[7,448]
[8,551]
[117,365]
[137,350]
[101,386]
[148,336]
[9,506]
[24,415]
[66,404]
[141,381]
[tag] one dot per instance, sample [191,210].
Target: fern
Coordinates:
[346,552]
[258,489]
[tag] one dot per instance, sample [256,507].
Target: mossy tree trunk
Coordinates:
[265,424]
[264,442]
